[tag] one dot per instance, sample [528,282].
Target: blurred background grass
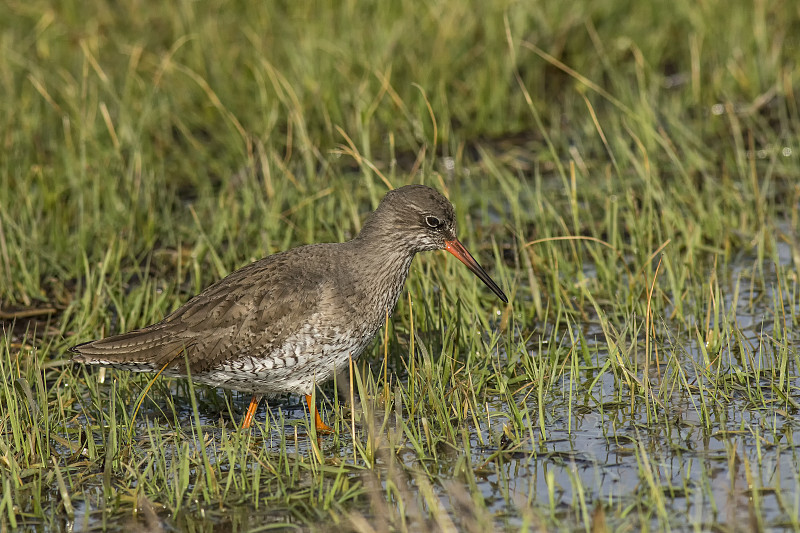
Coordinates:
[275,122]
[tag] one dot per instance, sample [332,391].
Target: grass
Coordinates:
[626,171]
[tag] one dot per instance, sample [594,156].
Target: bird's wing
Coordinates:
[252,311]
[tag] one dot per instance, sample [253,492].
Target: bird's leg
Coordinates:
[321,426]
[251,411]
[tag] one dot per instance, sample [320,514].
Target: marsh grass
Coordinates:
[626,171]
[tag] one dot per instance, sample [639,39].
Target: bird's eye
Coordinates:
[433,222]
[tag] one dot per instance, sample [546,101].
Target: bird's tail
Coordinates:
[143,350]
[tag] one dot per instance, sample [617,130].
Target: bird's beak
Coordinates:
[457,249]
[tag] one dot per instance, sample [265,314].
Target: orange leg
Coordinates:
[251,411]
[321,426]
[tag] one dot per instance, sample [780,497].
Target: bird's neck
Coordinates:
[385,266]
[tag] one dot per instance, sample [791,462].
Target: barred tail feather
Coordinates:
[143,350]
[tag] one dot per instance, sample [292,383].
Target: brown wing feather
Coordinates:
[250,312]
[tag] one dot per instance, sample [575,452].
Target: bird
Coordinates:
[292,320]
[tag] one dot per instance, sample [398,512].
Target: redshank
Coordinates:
[292,320]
